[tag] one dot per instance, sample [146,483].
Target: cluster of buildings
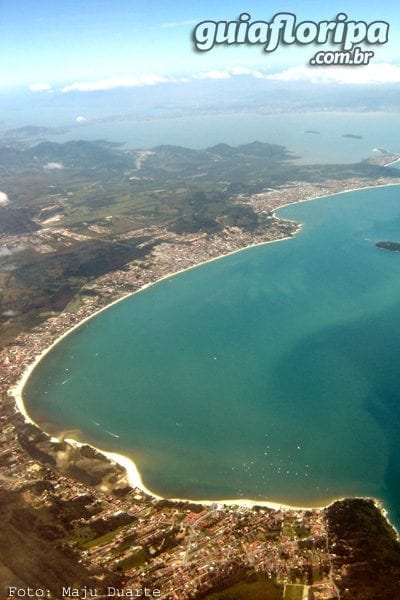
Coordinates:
[299,191]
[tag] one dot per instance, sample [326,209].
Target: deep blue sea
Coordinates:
[271,374]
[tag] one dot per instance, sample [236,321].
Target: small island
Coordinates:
[387,245]
[353,136]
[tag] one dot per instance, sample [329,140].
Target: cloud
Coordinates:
[379,73]
[213,75]
[247,71]
[115,82]
[4,199]
[6,251]
[40,87]
[50,166]
[231,72]
[152,79]
[81,120]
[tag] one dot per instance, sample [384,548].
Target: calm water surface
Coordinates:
[272,373]
[325,145]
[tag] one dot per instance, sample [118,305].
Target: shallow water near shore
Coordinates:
[270,374]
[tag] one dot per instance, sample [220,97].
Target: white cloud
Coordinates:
[53,165]
[369,74]
[213,75]
[115,82]
[6,251]
[4,199]
[151,79]
[228,73]
[247,71]
[81,119]
[40,87]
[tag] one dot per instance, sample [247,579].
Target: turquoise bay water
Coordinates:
[270,374]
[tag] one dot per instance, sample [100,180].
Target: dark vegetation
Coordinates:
[367,551]
[248,588]
[17,220]
[31,537]
[39,283]
[393,246]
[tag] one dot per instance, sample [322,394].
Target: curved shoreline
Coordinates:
[133,473]
[396,160]
[135,480]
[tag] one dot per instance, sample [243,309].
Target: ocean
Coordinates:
[270,374]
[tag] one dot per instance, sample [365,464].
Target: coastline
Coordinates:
[347,191]
[135,480]
[396,160]
[133,474]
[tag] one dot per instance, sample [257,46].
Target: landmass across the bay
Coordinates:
[146,563]
[352,136]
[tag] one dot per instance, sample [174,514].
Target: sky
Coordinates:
[89,45]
